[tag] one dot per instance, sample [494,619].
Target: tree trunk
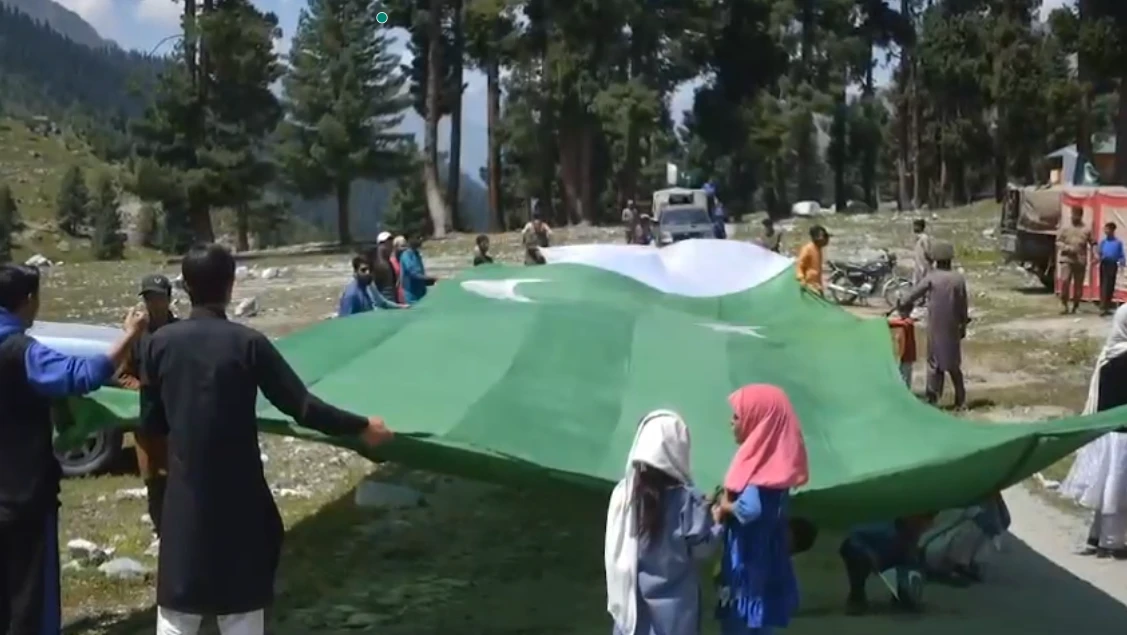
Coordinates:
[903,118]
[493,106]
[454,174]
[436,204]
[918,184]
[199,215]
[242,228]
[344,224]
[1083,77]
[837,157]
[1121,132]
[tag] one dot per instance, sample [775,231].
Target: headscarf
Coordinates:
[1115,346]
[661,442]
[772,453]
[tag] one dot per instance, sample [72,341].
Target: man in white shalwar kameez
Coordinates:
[1098,478]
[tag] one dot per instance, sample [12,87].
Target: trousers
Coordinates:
[29,574]
[935,381]
[1108,532]
[171,622]
[906,373]
[1109,271]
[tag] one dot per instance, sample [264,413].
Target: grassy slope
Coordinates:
[33,165]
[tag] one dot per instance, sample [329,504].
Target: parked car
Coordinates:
[102,449]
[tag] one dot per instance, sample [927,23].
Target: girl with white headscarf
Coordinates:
[1098,478]
[658,525]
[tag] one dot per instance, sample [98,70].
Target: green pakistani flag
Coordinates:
[515,374]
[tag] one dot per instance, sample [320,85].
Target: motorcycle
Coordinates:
[851,282]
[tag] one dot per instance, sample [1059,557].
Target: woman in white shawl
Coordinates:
[658,524]
[1098,478]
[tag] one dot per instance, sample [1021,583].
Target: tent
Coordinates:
[541,373]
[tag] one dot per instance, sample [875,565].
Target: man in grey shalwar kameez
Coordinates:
[947,319]
[921,251]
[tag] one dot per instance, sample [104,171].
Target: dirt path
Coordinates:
[1035,586]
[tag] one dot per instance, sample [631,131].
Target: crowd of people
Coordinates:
[220,534]
[660,527]
[198,381]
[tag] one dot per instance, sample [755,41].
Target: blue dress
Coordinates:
[668,582]
[758,590]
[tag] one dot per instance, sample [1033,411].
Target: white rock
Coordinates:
[263,457]
[86,552]
[154,548]
[385,495]
[38,261]
[72,565]
[292,492]
[146,519]
[247,307]
[133,493]
[124,569]
[242,272]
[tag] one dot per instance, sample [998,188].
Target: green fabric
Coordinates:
[515,391]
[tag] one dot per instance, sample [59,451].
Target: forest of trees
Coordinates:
[96,91]
[579,104]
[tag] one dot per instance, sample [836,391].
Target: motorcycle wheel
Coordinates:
[895,290]
[839,280]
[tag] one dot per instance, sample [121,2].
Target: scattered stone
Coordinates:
[72,565]
[133,493]
[146,519]
[87,553]
[292,492]
[243,272]
[124,569]
[247,307]
[154,548]
[375,494]
[1046,483]
[38,261]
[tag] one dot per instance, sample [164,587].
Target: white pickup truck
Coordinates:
[101,450]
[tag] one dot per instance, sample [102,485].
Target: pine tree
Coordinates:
[407,214]
[108,241]
[344,99]
[72,208]
[9,223]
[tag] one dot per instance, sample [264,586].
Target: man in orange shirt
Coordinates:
[809,267]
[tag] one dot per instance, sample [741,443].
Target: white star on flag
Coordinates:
[752,331]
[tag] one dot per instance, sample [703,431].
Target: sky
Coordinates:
[148,24]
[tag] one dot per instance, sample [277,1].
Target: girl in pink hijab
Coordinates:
[758,590]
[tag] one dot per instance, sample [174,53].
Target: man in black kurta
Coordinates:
[222,533]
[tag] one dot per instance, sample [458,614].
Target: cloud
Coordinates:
[162,13]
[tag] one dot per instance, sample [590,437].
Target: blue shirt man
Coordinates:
[31,375]
[415,278]
[1111,259]
[361,296]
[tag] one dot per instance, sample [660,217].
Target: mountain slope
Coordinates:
[43,72]
[62,20]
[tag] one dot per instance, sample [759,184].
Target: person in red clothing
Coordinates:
[398,244]
[904,341]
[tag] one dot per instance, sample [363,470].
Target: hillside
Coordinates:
[32,163]
[62,20]
[44,72]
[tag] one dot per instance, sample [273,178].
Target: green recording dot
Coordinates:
[381,17]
